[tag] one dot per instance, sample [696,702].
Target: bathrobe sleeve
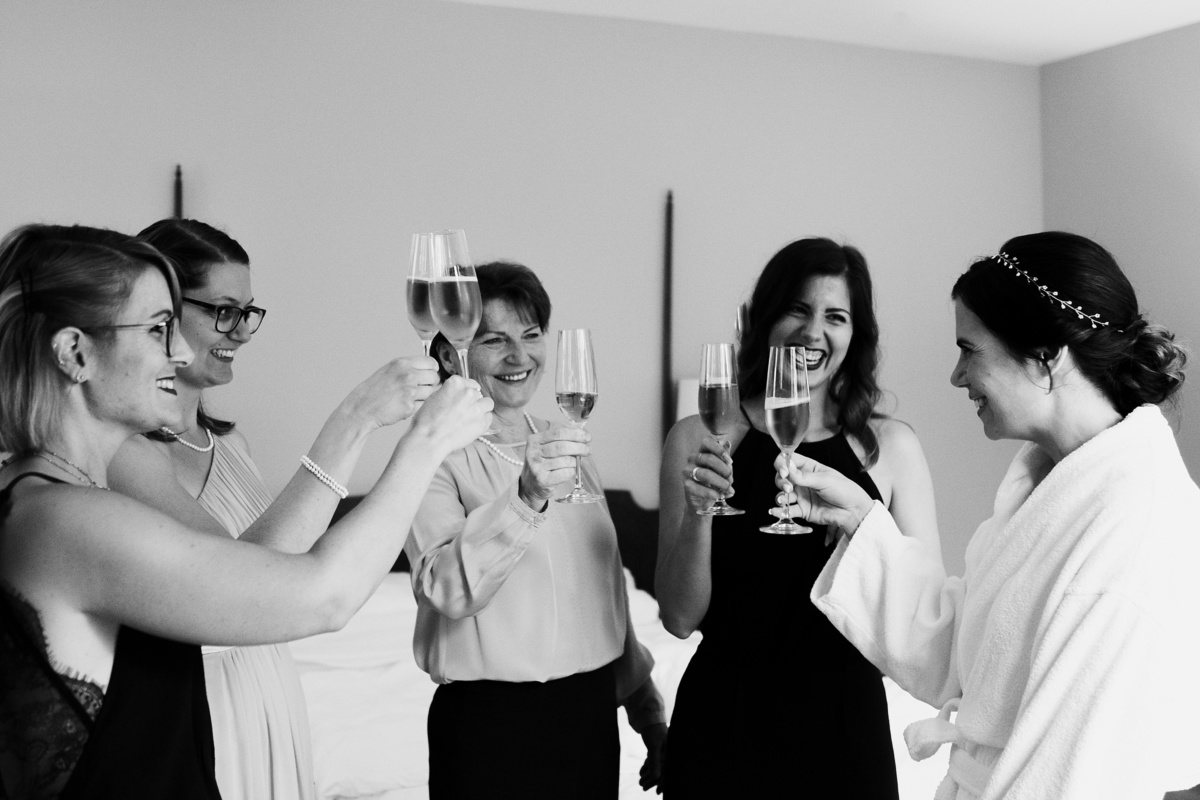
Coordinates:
[891,598]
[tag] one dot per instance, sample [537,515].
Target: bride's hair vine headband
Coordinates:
[1014,265]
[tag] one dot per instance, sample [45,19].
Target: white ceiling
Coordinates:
[1016,31]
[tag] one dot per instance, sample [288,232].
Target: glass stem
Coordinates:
[578,476]
[787,506]
[462,361]
[427,344]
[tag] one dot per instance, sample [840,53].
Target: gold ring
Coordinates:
[697,480]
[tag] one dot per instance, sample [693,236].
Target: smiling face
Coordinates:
[507,355]
[133,382]
[1005,390]
[818,320]
[228,285]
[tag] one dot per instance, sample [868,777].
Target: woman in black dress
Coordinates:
[776,703]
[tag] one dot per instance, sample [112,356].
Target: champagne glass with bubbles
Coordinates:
[417,292]
[719,405]
[787,416]
[575,390]
[454,291]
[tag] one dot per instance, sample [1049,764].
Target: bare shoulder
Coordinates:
[140,461]
[683,439]
[239,440]
[898,441]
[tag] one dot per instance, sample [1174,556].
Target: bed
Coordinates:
[367,699]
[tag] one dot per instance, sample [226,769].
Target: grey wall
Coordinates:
[1122,164]
[322,135]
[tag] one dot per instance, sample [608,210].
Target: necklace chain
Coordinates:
[50,457]
[505,456]
[179,438]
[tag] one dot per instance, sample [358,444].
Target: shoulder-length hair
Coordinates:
[854,389]
[53,277]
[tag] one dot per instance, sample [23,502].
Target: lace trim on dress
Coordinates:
[45,716]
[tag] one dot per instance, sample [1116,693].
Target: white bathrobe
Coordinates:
[1071,646]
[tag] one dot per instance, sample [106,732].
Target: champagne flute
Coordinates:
[417,292]
[575,390]
[787,416]
[454,291]
[719,406]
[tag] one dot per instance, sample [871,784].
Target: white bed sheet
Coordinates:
[367,703]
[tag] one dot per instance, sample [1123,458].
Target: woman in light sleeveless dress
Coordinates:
[201,473]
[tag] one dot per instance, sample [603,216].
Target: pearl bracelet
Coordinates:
[324,477]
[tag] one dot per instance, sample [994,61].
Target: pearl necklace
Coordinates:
[62,463]
[505,456]
[179,438]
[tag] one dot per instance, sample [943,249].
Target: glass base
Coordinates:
[785,528]
[720,510]
[579,497]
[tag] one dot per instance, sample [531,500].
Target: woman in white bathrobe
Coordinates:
[1069,651]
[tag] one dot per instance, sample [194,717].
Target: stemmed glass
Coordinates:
[454,291]
[417,292]
[719,406]
[575,390]
[787,416]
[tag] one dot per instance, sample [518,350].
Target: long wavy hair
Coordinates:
[194,247]
[854,389]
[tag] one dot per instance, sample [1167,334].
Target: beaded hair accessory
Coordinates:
[1012,263]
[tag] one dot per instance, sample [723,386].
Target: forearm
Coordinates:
[683,575]
[301,512]
[459,560]
[358,551]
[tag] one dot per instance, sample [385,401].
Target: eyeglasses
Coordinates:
[229,317]
[164,330]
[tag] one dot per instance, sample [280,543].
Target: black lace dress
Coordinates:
[148,736]
[776,703]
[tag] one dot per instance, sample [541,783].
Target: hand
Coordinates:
[394,392]
[822,495]
[550,461]
[708,475]
[453,416]
[655,737]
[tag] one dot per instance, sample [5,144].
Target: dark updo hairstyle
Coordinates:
[194,247]
[1129,359]
[54,277]
[854,389]
[514,283]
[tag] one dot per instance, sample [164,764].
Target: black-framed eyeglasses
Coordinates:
[164,330]
[229,317]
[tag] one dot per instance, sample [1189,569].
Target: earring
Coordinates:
[79,377]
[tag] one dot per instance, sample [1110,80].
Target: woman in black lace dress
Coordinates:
[776,703]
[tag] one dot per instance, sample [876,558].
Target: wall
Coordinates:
[322,135]
[1121,132]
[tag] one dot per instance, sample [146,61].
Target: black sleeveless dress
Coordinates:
[776,703]
[148,736]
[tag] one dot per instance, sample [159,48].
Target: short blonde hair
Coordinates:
[53,277]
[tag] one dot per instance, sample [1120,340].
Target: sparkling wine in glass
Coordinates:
[719,405]
[575,390]
[417,292]
[454,291]
[786,405]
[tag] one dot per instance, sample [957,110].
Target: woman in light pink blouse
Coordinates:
[523,616]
